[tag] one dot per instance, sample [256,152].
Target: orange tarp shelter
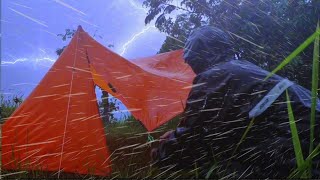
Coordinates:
[59,128]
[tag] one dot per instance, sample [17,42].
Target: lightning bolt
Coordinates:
[38,60]
[134,37]
[14,62]
[50,60]
[43,57]
[35,61]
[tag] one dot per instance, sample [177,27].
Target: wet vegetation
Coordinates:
[8,105]
[130,154]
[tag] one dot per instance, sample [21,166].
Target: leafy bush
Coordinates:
[9,105]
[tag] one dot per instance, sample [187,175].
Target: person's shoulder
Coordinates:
[229,67]
[242,62]
[215,72]
[219,68]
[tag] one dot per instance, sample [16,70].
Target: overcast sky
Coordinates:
[29,34]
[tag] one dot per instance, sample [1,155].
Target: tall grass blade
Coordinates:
[294,134]
[314,92]
[214,167]
[297,173]
[296,52]
[196,170]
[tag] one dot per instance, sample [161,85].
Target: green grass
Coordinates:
[8,106]
[304,166]
[295,53]
[130,154]
[314,91]
[294,134]
[128,142]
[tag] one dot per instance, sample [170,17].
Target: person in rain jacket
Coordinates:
[227,95]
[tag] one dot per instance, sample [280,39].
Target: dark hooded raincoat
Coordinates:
[224,92]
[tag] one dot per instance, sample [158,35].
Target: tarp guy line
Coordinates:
[68,107]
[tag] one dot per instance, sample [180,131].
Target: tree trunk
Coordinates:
[106,107]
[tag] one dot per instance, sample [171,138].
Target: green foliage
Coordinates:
[275,25]
[107,105]
[127,141]
[9,105]
[177,36]
[294,134]
[315,85]
[130,154]
[60,50]
[263,32]
[300,171]
[304,166]
[295,53]
[67,35]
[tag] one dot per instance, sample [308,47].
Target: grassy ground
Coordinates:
[127,141]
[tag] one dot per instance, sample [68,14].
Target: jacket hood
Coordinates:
[206,46]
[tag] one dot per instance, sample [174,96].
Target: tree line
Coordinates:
[263,31]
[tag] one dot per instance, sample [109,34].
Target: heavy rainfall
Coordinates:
[192,89]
